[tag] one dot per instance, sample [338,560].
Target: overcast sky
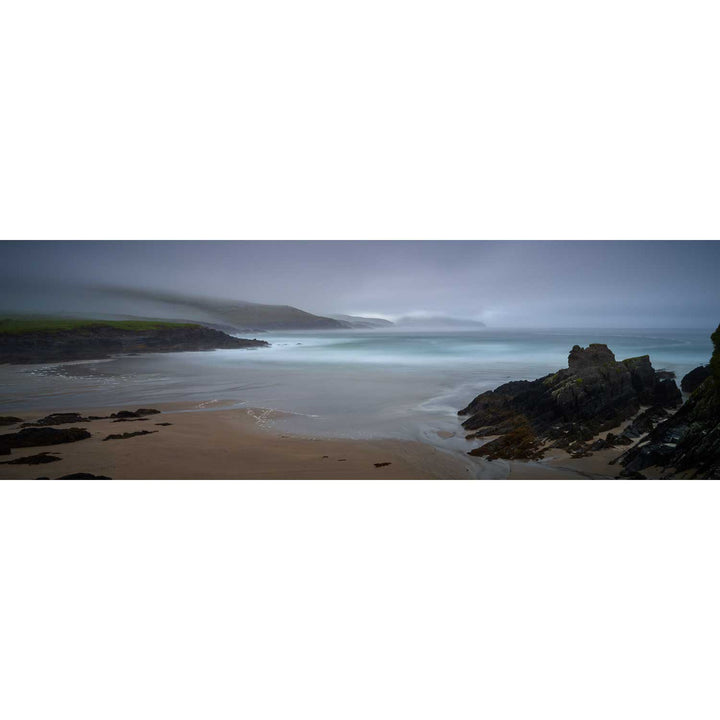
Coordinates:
[550,284]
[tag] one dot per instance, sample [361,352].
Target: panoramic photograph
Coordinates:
[359,360]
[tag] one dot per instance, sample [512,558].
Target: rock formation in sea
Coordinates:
[566,409]
[97,340]
[687,444]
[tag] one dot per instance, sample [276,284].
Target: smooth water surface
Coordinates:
[349,383]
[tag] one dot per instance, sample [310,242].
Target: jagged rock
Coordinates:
[32,437]
[9,420]
[519,444]
[593,394]
[644,422]
[689,441]
[695,378]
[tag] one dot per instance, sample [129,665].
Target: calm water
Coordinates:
[351,384]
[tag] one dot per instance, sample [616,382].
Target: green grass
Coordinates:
[18,326]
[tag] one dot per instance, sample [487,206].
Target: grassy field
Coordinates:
[18,326]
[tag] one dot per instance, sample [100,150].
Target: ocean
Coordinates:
[354,384]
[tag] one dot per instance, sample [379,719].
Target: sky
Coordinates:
[609,284]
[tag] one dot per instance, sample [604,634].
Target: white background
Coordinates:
[359,120]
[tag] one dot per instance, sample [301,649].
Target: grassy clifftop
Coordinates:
[39,340]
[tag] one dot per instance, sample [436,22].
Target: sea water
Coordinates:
[354,384]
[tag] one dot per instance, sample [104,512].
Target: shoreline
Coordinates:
[208,440]
[216,439]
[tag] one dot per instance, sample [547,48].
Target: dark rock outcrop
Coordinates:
[73,417]
[123,436]
[37,437]
[98,341]
[688,443]
[568,408]
[695,378]
[520,443]
[60,419]
[133,414]
[38,459]
[9,420]
[83,476]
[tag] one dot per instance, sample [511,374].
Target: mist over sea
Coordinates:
[355,384]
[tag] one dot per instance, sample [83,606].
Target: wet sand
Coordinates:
[226,444]
[211,440]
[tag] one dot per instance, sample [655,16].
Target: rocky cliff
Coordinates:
[688,443]
[95,340]
[593,394]
[695,378]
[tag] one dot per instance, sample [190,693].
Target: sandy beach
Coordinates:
[210,441]
[226,444]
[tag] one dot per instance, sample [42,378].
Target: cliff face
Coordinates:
[98,341]
[688,443]
[595,393]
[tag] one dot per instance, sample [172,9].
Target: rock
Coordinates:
[9,420]
[382,464]
[652,388]
[644,423]
[34,437]
[126,419]
[688,441]
[595,354]
[59,419]
[695,378]
[38,459]
[648,455]
[625,475]
[133,414]
[163,424]
[83,476]
[593,394]
[123,436]
[519,444]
